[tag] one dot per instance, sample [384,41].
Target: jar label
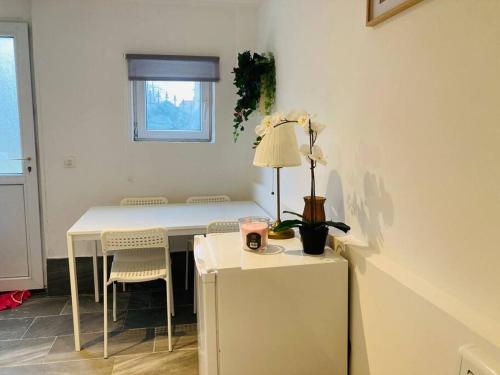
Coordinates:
[254,241]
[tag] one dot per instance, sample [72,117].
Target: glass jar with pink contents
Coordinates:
[254,233]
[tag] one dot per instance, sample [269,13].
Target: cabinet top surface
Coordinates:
[224,251]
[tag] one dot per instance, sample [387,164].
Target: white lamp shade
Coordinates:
[278,148]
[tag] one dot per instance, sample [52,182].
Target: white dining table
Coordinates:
[177,219]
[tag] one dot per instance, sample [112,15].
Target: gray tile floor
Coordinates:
[37,338]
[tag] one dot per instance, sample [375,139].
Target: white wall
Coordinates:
[82,96]
[413,114]
[15,10]
[395,329]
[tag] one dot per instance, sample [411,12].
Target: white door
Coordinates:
[20,242]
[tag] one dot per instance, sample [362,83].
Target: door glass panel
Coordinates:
[10,133]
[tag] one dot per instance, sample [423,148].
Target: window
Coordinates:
[173,97]
[173,110]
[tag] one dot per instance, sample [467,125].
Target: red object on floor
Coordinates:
[11,300]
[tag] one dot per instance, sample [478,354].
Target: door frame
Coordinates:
[29,180]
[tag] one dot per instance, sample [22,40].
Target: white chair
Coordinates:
[138,256]
[223,227]
[130,201]
[208,199]
[204,199]
[217,227]
[143,201]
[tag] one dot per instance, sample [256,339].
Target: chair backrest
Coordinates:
[223,227]
[115,240]
[208,199]
[143,201]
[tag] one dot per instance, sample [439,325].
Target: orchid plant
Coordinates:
[312,153]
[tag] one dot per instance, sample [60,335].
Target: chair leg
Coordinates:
[186,278]
[169,318]
[171,290]
[105,281]
[96,273]
[114,301]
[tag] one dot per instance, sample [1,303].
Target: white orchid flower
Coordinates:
[267,122]
[304,150]
[295,115]
[317,155]
[260,130]
[316,127]
[265,125]
[303,121]
[278,118]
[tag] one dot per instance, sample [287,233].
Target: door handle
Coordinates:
[24,159]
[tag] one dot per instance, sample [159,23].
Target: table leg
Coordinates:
[96,273]
[74,292]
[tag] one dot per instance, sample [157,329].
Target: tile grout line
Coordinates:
[112,356]
[122,329]
[26,338]
[99,358]
[27,329]
[53,362]
[90,312]
[66,304]
[24,317]
[68,314]
[48,352]
[28,302]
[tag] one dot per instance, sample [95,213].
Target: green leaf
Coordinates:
[287,224]
[341,226]
[255,80]
[293,213]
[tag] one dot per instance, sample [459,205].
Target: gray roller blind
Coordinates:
[172,68]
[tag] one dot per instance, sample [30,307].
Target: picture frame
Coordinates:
[378,11]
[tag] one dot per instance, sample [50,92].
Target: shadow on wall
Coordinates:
[373,210]
[335,209]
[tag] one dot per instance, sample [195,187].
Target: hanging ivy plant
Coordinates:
[255,79]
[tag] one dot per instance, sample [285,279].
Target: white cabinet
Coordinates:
[284,313]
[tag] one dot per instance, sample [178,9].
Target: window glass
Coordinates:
[173,106]
[10,139]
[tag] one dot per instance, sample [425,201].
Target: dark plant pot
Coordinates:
[313,239]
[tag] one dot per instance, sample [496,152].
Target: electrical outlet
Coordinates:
[474,361]
[69,162]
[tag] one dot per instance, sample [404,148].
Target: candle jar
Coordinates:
[254,232]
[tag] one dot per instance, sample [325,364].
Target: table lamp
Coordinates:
[278,149]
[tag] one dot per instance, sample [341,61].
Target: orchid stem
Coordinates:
[312,140]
